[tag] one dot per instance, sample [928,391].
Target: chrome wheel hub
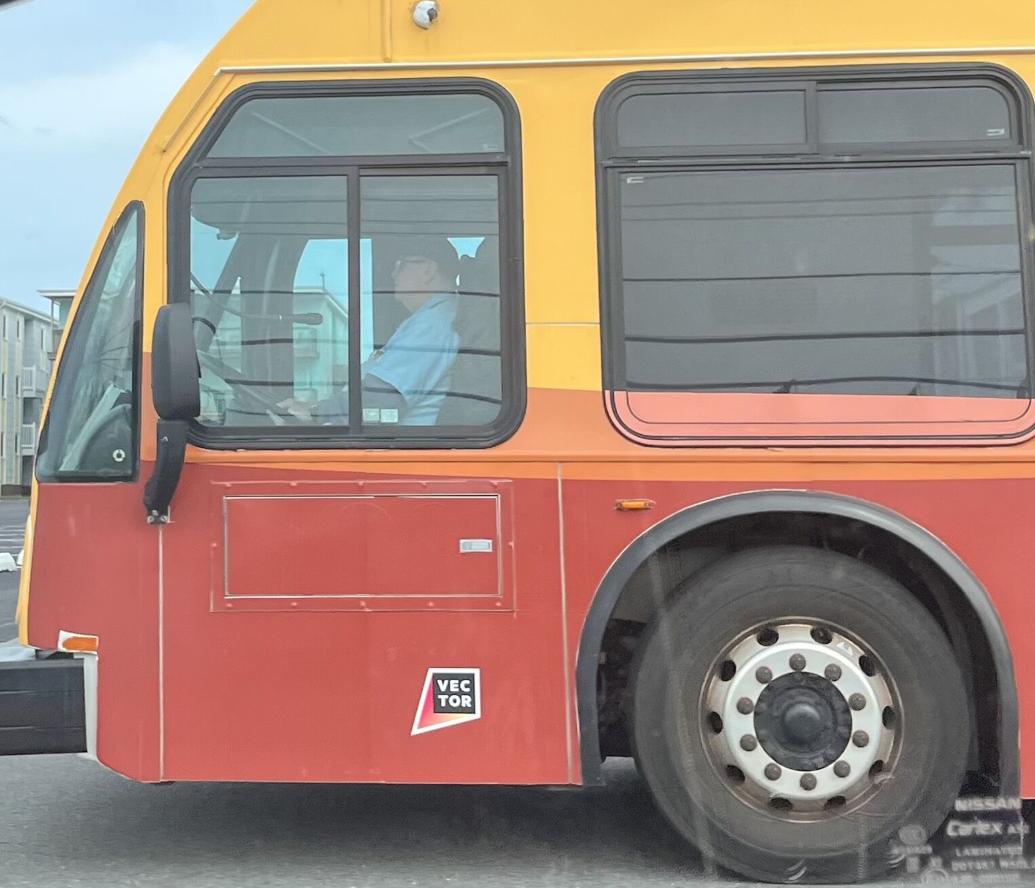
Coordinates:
[799,717]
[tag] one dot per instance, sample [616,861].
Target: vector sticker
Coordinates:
[450,697]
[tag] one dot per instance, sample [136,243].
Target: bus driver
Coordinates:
[406,381]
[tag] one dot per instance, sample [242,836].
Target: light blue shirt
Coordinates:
[417,361]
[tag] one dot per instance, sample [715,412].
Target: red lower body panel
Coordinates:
[281,655]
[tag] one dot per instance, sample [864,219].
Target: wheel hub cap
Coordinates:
[802,721]
[807,690]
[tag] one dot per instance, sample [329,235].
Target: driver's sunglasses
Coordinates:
[400,264]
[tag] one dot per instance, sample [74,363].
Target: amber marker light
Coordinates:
[634,505]
[77,644]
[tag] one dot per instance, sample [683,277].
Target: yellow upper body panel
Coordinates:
[522,46]
[555,59]
[331,32]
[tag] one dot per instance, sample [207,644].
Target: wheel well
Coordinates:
[679,559]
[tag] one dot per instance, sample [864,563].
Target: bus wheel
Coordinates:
[793,709]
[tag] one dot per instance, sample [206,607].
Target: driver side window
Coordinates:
[91,429]
[352,272]
[269,294]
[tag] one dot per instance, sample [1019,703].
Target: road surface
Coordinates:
[66,821]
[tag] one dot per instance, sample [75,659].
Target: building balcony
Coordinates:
[55,342]
[27,439]
[34,384]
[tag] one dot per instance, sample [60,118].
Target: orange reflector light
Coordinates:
[74,643]
[634,505]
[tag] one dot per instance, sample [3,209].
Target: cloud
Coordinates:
[104,105]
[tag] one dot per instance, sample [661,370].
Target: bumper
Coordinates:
[42,707]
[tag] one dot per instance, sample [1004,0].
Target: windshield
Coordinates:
[89,432]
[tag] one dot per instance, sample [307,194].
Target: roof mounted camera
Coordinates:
[425,13]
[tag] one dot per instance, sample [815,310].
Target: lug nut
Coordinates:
[772,772]
[763,674]
[808,781]
[857,702]
[745,706]
[797,662]
[748,743]
[842,769]
[832,672]
[860,738]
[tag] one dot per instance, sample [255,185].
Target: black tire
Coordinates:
[678,659]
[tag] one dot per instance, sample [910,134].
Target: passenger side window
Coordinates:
[896,282]
[857,270]
[337,302]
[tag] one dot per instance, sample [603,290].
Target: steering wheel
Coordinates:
[251,395]
[104,441]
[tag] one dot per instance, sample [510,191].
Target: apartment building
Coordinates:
[26,343]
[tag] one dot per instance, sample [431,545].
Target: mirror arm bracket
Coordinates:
[169,456]
[176,393]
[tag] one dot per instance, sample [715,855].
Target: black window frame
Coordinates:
[102,267]
[506,167]
[613,162]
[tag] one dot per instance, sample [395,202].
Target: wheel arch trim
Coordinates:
[815,502]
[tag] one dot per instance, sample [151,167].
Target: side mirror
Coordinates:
[175,388]
[176,392]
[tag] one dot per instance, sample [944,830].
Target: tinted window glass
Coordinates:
[924,114]
[270,291]
[861,281]
[362,125]
[698,120]
[437,323]
[269,329]
[320,332]
[92,430]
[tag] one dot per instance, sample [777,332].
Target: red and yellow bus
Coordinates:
[690,417]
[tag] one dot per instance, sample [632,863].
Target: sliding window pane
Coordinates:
[269,292]
[712,119]
[437,301]
[323,126]
[921,114]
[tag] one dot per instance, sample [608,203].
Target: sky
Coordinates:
[82,82]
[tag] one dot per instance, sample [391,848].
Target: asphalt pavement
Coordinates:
[66,821]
